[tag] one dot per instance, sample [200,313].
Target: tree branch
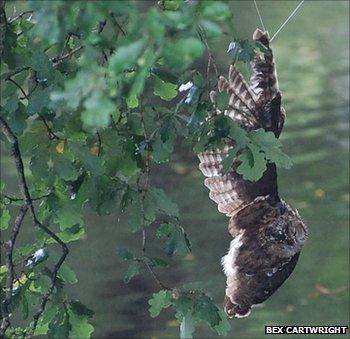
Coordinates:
[16,154]
[143,191]
[3,24]
[9,246]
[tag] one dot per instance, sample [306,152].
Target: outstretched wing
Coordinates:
[252,110]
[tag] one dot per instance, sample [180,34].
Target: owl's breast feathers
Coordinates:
[268,234]
[271,236]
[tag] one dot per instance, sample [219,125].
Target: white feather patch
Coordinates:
[229,260]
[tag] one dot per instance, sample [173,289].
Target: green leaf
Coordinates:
[91,162]
[253,163]
[125,253]
[125,57]
[70,234]
[145,63]
[17,117]
[47,317]
[177,241]
[271,146]
[39,164]
[4,218]
[217,10]
[24,307]
[42,65]
[39,100]
[68,214]
[155,25]
[98,110]
[224,326]
[80,309]
[162,149]
[278,157]
[165,90]
[206,310]
[181,53]
[156,262]
[238,134]
[67,274]
[171,5]
[163,202]
[183,305]
[222,101]
[132,101]
[132,271]
[64,167]
[211,29]
[59,329]
[135,219]
[159,300]
[228,161]
[80,326]
[264,139]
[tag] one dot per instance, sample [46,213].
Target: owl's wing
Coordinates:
[263,81]
[252,109]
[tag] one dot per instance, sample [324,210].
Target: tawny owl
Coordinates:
[267,233]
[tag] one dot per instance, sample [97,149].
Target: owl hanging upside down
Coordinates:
[268,234]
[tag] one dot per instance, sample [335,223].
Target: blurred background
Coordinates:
[312,56]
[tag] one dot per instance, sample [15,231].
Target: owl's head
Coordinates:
[287,233]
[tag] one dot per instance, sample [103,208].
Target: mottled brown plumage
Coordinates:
[267,233]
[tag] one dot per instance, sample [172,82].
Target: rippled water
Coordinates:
[313,65]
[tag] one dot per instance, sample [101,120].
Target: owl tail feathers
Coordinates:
[234,310]
[263,37]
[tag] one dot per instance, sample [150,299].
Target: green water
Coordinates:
[313,64]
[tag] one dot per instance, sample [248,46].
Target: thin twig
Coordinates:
[17,71]
[156,278]
[101,26]
[99,144]
[58,60]
[143,191]
[16,154]
[14,199]
[115,21]
[19,87]
[9,246]
[211,61]
[20,16]
[50,132]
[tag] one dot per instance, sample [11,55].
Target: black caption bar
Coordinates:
[306,329]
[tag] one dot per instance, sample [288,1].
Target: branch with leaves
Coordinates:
[16,154]
[94,106]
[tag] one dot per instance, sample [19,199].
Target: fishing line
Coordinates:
[261,20]
[286,21]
